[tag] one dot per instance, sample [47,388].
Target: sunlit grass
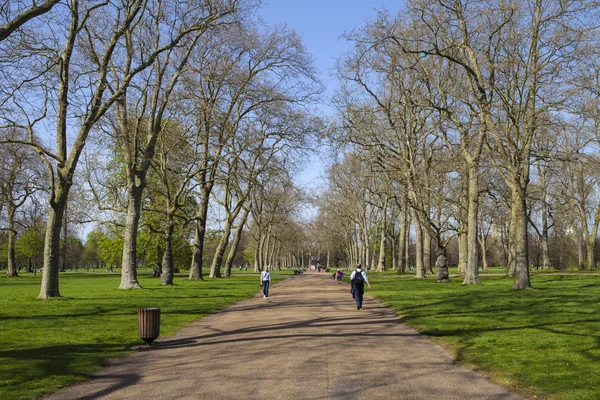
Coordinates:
[45,345]
[544,342]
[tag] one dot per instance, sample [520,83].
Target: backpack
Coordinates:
[359,280]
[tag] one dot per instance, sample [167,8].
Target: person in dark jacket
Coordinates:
[358,279]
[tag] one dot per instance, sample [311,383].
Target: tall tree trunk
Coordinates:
[237,236]
[215,268]
[407,248]
[49,287]
[420,270]
[520,242]
[482,243]
[199,233]
[382,241]
[395,240]
[591,244]
[264,246]
[510,239]
[463,240]
[402,242]
[134,209]
[63,250]
[544,238]
[167,261]
[427,252]
[472,268]
[12,265]
[257,266]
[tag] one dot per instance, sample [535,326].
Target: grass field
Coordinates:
[45,345]
[544,342]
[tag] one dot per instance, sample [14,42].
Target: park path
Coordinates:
[307,341]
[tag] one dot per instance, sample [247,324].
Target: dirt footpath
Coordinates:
[307,341]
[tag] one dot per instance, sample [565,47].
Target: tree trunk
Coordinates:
[407,245]
[382,241]
[544,239]
[420,271]
[381,260]
[395,240]
[215,268]
[591,244]
[166,276]
[257,261]
[200,231]
[483,244]
[472,267]
[12,265]
[427,252]
[134,208]
[63,258]
[237,236]
[520,242]
[49,287]
[262,254]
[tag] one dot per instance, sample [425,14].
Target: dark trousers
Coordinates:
[266,288]
[358,296]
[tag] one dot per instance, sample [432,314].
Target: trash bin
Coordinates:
[148,324]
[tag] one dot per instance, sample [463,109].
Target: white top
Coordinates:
[265,276]
[358,270]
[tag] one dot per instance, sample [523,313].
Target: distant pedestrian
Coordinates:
[265,279]
[358,279]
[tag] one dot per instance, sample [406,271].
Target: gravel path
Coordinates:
[307,341]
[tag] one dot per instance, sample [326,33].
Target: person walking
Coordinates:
[265,280]
[358,279]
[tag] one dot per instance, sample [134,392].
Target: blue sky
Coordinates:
[320,24]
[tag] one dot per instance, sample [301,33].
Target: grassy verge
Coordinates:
[544,342]
[45,345]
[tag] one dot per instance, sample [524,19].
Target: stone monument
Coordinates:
[442,269]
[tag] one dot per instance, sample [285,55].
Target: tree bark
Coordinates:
[472,269]
[420,271]
[463,241]
[167,274]
[12,265]
[49,287]
[237,236]
[200,231]
[382,241]
[484,260]
[590,247]
[544,238]
[402,240]
[427,252]
[134,210]
[520,242]
[215,268]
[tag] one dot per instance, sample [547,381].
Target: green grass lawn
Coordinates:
[544,342]
[45,345]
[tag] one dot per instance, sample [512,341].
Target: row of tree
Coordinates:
[160,110]
[468,122]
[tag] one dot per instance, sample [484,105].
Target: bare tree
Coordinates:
[87,87]
[237,74]
[17,13]
[20,177]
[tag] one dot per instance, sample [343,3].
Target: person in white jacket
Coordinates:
[265,279]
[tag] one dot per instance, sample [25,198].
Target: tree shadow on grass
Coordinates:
[51,367]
